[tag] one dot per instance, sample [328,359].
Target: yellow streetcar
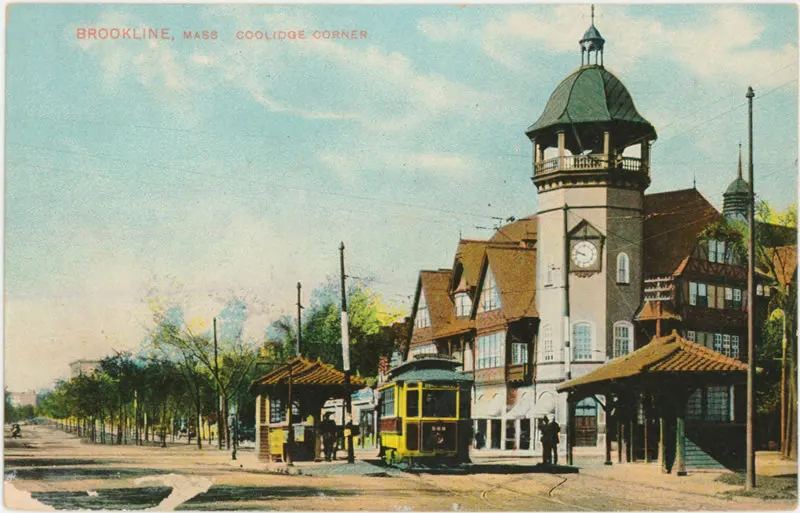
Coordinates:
[424,412]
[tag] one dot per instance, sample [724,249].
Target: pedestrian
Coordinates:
[480,440]
[553,433]
[328,431]
[545,439]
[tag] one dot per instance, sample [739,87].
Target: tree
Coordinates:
[370,321]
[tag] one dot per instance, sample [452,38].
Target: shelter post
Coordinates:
[662,446]
[608,431]
[680,437]
[646,437]
[570,426]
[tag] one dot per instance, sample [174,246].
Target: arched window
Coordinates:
[623,268]
[582,341]
[623,338]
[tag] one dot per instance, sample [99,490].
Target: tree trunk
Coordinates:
[224,415]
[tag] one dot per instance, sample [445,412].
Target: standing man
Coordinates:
[545,439]
[328,430]
[553,430]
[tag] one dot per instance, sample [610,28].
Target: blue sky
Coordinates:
[210,169]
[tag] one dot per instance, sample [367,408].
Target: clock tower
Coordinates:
[591,166]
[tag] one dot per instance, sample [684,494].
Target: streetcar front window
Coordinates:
[439,403]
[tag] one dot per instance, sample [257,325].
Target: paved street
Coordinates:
[50,469]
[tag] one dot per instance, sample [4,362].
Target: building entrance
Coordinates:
[586,423]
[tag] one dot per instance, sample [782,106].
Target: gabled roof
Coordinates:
[304,372]
[514,270]
[673,222]
[435,285]
[650,312]
[469,255]
[672,355]
[521,229]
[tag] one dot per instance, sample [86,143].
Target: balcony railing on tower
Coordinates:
[588,163]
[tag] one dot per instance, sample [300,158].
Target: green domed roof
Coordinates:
[738,186]
[593,95]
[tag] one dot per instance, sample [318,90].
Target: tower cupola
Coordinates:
[592,43]
[737,197]
[587,125]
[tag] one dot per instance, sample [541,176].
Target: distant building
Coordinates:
[83,367]
[23,398]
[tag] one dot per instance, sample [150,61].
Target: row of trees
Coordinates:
[183,366]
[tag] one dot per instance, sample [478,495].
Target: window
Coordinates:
[491,351]
[547,343]
[623,268]
[737,298]
[690,335]
[693,293]
[490,296]
[463,304]
[718,404]
[726,345]
[387,402]
[277,410]
[766,290]
[519,354]
[623,333]
[702,295]
[582,341]
[423,319]
[439,403]
[712,296]
[760,290]
[735,346]
[718,342]
[412,403]
[716,251]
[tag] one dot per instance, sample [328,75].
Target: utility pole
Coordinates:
[299,313]
[216,378]
[290,427]
[346,360]
[750,481]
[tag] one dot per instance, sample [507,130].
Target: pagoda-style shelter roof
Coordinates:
[651,312]
[663,360]
[304,373]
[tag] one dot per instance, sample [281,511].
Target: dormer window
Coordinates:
[490,296]
[423,318]
[717,251]
[463,304]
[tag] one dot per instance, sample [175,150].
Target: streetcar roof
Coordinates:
[429,369]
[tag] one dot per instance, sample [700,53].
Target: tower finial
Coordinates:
[592,14]
[592,43]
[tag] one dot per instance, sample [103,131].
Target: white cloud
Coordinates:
[719,46]
[442,30]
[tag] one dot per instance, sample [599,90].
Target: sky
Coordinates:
[209,169]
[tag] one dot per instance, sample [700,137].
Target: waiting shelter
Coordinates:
[302,386]
[671,401]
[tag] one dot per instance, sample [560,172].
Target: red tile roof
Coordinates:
[672,355]
[305,372]
[673,222]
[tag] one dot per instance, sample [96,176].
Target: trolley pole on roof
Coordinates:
[750,481]
[346,362]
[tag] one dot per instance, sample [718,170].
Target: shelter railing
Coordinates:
[589,162]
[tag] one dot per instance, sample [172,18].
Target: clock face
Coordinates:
[584,254]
